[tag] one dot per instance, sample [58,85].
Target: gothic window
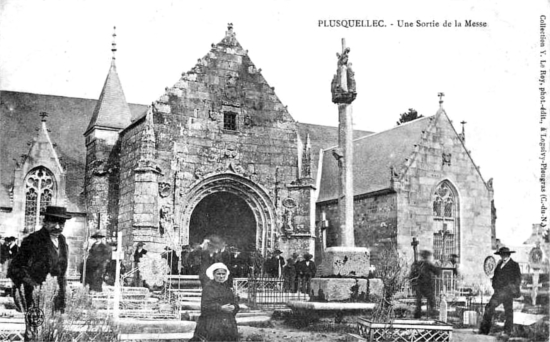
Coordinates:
[445,222]
[437,207]
[230,121]
[39,191]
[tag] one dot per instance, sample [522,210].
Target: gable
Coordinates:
[225,80]
[441,154]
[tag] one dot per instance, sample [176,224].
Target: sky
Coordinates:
[489,74]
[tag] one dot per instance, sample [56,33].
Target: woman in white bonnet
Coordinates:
[218,308]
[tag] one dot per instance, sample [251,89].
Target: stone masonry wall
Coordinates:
[414,201]
[193,144]
[375,221]
[101,179]
[298,221]
[129,156]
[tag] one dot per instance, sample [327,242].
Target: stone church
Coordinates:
[219,153]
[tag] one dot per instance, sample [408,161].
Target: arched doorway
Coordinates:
[226,215]
[252,194]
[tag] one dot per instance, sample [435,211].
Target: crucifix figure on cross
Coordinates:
[343,84]
[343,58]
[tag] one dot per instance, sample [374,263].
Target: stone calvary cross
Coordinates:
[345,259]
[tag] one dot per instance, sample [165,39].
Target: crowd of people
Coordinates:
[194,259]
[45,252]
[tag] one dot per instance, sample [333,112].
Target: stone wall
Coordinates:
[407,211]
[375,221]
[194,143]
[130,141]
[101,179]
[415,197]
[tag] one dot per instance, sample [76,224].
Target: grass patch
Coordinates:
[330,327]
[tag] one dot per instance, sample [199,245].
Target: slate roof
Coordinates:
[112,109]
[373,156]
[321,137]
[67,121]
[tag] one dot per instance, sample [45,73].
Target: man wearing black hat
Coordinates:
[43,252]
[98,257]
[172,259]
[8,251]
[305,270]
[506,283]
[422,280]
[138,254]
[274,265]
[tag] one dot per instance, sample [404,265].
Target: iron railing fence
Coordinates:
[266,291]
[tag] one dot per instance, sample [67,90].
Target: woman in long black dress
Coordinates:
[209,255]
[218,308]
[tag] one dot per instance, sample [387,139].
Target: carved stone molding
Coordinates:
[237,168]
[166,219]
[99,168]
[164,189]
[446,159]
[289,203]
[288,222]
[252,193]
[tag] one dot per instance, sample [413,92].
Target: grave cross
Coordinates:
[414,244]
[118,255]
[440,98]
[535,287]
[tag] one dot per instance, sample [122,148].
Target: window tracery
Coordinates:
[446,222]
[39,191]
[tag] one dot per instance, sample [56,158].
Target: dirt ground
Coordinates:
[279,331]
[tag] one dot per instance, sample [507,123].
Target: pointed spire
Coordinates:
[42,148]
[463,135]
[148,141]
[112,110]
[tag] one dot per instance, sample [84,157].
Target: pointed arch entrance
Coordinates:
[226,215]
[222,191]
